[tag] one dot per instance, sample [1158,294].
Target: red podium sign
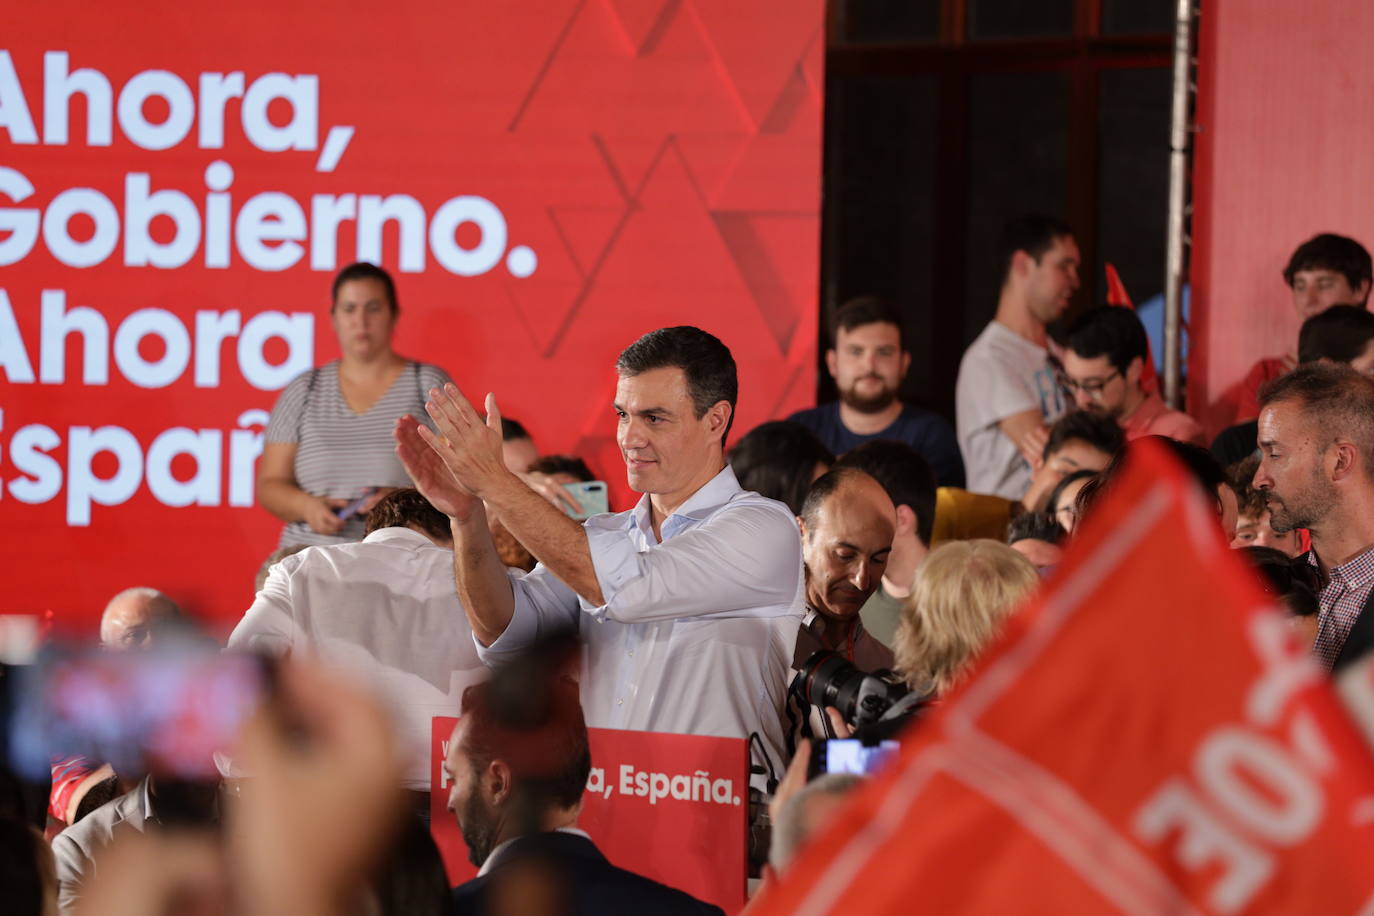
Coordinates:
[1148,737]
[670,807]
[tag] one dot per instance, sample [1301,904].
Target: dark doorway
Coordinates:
[944,118]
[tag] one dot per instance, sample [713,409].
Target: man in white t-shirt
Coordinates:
[1007,394]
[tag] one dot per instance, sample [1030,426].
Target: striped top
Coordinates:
[341,453]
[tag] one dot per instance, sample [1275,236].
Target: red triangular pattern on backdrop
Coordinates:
[711,158]
[758,71]
[764,247]
[586,232]
[639,18]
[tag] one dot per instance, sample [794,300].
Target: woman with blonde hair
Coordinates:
[963,592]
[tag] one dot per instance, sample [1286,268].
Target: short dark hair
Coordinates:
[1250,502]
[778,459]
[1112,331]
[707,363]
[1035,526]
[512,428]
[1339,334]
[1339,400]
[862,310]
[903,473]
[1034,234]
[1052,501]
[405,507]
[361,270]
[1295,582]
[563,464]
[823,488]
[1102,433]
[1196,460]
[1329,251]
[545,745]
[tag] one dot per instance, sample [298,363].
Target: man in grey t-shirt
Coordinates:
[1007,394]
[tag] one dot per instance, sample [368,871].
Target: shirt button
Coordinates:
[632,655]
[618,702]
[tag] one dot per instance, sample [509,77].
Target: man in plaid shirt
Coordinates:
[1316,438]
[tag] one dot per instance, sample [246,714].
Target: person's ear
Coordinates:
[1021,263]
[906,364]
[499,782]
[1134,369]
[718,417]
[831,361]
[1343,460]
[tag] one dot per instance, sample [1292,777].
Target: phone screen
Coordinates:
[165,711]
[850,755]
[591,495]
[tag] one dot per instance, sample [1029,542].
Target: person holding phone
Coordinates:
[327,456]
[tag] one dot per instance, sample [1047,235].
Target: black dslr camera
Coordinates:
[828,679]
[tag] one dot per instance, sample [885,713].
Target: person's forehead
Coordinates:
[859,513]
[1083,454]
[362,289]
[663,387]
[455,745]
[1064,247]
[1082,367]
[873,334]
[1317,273]
[1070,491]
[130,611]
[1282,421]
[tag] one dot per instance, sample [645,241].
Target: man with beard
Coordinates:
[1007,394]
[1103,362]
[868,360]
[1316,436]
[516,778]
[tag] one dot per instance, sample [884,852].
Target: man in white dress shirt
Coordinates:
[382,609]
[688,605]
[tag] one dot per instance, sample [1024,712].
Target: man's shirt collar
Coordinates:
[715,493]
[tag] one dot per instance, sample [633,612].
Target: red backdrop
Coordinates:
[659,158]
[1280,158]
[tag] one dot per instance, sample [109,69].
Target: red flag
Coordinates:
[1116,290]
[1117,295]
[1146,737]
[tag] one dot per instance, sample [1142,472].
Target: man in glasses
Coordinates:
[1103,362]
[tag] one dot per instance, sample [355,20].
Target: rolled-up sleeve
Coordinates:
[543,605]
[746,556]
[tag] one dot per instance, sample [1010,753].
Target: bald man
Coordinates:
[134,617]
[847,524]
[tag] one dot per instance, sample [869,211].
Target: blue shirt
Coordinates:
[928,433]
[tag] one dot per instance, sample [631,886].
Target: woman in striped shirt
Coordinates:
[328,443]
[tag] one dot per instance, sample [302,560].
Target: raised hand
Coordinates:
[468,446]
[430,474]
[906,555]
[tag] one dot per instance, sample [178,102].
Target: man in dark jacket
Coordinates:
[517,772]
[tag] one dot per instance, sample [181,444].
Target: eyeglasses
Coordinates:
[1092,388]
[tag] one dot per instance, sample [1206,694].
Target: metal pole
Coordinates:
[1179,135]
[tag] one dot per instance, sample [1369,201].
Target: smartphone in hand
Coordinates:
[591,496]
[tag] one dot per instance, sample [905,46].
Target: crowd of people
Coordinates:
[433,554]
